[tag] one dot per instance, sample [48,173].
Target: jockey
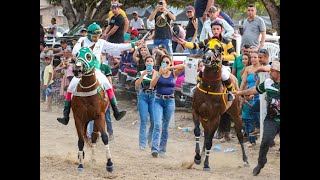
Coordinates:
[228,53]
[97,46]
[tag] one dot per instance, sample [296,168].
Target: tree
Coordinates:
[77,10]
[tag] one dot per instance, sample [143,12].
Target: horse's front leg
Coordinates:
[208,136]
[102,128]
[80,127]
[197,157]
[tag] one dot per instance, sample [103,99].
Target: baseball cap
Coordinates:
[115,5]
[135,12]
[212,9]
[134,32]
[83,29]
[190,8]
[275,65]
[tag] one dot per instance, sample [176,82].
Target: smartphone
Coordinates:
[163,65]
[149,68]
[160,3]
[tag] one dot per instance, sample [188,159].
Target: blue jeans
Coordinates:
[191,51]
[200,25]
[163,111]
[108,122]
[146,108]
[255,112]
[166,42]
[248,128]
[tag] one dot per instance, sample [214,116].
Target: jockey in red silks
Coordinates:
[97,46]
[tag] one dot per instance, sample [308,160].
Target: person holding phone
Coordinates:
[145,101]
[162,33]
[164,82]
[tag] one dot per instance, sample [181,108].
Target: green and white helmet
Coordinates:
[87,59]
[94,29]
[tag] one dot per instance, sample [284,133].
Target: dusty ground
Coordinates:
[59,153]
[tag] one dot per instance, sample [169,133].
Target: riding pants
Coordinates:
[99,75]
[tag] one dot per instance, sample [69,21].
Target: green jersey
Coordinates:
[272,90]
[145,81]
[105,69]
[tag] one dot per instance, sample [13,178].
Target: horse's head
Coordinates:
[85,61]
[212,56]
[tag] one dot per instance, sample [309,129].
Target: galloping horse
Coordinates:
[88,103]
[209,102]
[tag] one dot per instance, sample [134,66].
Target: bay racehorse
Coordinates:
[89,102]
[209,102]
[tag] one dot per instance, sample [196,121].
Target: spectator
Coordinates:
[177,32]
[158,52]
[114,31]
[123,13]
[206,32]
[44,52]
[140,55]
[224,16]
[47,77]
[162,18]
[201,11]
[191,29]
[136,22]
[248,81]
[52,32]
[164,104]
[134,35]
[84,32]
[253,27]
[237,65]
[271,86]
[146,98]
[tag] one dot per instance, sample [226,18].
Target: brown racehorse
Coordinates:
[209,102]
[89,103]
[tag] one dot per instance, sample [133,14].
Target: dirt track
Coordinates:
[59,153]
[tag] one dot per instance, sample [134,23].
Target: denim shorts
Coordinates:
[49,90]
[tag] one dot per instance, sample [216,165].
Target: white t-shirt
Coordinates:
[101,46]
[54,32]
[136,24]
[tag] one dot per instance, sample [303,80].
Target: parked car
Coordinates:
[74,32]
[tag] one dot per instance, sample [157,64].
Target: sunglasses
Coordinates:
[165,62]
[264,51]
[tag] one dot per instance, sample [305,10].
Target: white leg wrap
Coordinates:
[103,79]
[207,152]
[197,140]
[225,72]
[80,156]
[73,84]
[93,149]
[108,151]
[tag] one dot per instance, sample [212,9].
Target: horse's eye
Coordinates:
[88,57]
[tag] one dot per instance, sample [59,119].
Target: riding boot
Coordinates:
[229,86]
[116,113]
[66,112]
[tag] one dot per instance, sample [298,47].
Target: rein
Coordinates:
[87,87]
[215,93]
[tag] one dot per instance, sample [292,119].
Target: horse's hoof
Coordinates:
[80,168]
[109,168]
[246,164]
[197,161]
[206,169]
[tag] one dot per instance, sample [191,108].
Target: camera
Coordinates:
[160,3]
